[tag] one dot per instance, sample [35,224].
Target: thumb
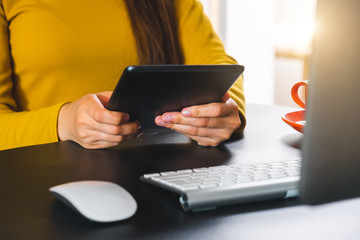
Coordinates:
[226,97]
[104,97]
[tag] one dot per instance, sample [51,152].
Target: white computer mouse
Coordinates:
[98,201]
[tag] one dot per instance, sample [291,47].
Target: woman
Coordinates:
[55,54]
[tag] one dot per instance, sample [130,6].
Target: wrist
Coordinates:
[62,123]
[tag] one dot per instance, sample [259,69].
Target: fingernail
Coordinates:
[126,118]
[167,118]
[186,113]
[159,121]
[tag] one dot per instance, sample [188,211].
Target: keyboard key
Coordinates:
[172,177]
[246,169]
[150,175]
[261,177]
[227,182]
[201,169]
[261,166]
[177,182]
[167,173]
[278,175]
[185,171]
[244,180]
[228,178]
[205,182]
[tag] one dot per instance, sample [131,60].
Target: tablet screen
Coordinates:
[149,90]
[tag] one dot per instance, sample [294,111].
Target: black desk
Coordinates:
[29,211]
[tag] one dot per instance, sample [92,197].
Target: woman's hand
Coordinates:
[208,124]
[87,122]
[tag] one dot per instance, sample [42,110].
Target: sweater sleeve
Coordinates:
[23,128]
[201,45]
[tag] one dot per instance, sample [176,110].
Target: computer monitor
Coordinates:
[331,144]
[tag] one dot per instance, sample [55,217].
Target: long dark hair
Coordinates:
[155,28]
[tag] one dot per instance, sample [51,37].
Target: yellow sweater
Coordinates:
[52,52]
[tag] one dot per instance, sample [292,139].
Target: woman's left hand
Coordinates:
[208,124]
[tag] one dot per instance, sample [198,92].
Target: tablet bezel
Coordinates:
[145,91]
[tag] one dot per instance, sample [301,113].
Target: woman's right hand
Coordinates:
[87,122]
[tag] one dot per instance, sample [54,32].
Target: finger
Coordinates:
[92,137]
[208,110]
[215,133]
[231,122]
[104,97]
[93,107]
[102,115]
[99,145]
[128,128]
[226,97]
[205,141]
[103,137]
[178,118]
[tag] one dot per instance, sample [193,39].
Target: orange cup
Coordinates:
[295,93]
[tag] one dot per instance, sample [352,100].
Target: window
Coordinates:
[263,35]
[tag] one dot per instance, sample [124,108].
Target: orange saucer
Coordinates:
[295,120]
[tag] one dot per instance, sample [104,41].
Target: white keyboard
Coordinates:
[203,188]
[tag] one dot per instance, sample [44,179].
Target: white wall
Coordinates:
[246,30]
[250,40]
[249,30]
[294,21]
[287,73]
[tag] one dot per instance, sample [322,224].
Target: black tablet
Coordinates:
[149,90]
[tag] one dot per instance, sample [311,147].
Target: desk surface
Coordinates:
[29,211]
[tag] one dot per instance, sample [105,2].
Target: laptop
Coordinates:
[331,148]
[330,166]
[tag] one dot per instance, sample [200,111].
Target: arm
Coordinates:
[20,128]
[212,123]
[81,121]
